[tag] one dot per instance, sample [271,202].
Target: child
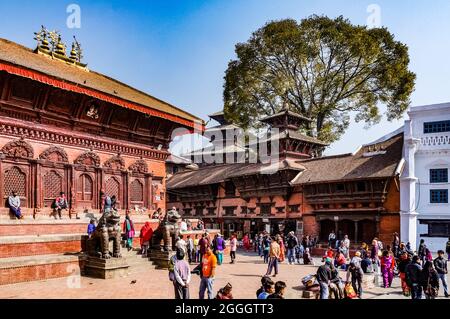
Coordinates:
[280,286]
[91,228]
[269,288]
[264,280]
[225,292]
[307,259]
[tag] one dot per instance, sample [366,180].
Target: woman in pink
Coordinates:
[233,248]
[387,268]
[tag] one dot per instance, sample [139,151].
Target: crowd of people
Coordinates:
[419,273]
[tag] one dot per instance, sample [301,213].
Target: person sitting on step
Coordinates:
[14,205]
[60,204]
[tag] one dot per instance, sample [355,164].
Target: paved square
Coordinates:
[143,281]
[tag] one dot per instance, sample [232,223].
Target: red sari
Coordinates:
[246,242]
[146,233]
[282,250]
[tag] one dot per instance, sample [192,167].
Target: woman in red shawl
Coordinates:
[146,234]
[246,242]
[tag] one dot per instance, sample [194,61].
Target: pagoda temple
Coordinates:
[299,190]
[66,128]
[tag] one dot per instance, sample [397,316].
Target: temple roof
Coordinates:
[178,160]
[379,160]
[292,134]
[206,175]
[19,60]
[219,117]
[370,161]
[285,112]
[209,150]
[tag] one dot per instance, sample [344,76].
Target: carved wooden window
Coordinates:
[15,180]
[136,191]
[85,187]
[52,184]
[340,188]
[266,209]
[199,211]
[112,187]
[230,189]
[361,187]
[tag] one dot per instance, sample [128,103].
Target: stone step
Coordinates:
[41,227]
[32,245]
[31,268]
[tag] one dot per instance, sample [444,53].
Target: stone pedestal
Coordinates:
[105,268]
[160,258]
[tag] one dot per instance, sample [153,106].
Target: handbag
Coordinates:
[349,291]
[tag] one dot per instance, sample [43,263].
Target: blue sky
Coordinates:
[179,50]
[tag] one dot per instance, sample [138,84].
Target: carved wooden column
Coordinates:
[126,190]
[71,191]
[147,191]
[38,189]
[2,191]
[150,191]
[356,231]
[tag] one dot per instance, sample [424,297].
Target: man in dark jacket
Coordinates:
[292,242]
[336,285]
[323,276]
[413,271]
[440,264]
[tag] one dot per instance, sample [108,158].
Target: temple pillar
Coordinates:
[356,231]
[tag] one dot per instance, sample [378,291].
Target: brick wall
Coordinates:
[38,272]
[310,226]
[45,248]
[389,224]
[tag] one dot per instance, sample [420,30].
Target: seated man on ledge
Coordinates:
[60,204]
[14,205]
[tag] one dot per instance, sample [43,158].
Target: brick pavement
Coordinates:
[150,283]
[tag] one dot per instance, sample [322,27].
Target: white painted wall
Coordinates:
[423,152]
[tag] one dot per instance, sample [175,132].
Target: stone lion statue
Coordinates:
[167,231]
[108,229]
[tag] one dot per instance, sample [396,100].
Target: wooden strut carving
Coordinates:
[54,154]
[140,166]
[18,148]
[116,162]
[88,158]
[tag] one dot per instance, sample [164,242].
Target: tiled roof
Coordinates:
[18,55]
[371,161]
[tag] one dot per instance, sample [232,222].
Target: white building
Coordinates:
[424,202]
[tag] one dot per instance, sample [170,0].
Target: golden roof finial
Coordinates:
[41,38]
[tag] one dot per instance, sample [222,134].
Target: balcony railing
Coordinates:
[435,140]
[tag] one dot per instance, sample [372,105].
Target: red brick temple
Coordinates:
[66,128]
[355,194]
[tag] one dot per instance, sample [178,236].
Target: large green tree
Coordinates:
[326,69]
